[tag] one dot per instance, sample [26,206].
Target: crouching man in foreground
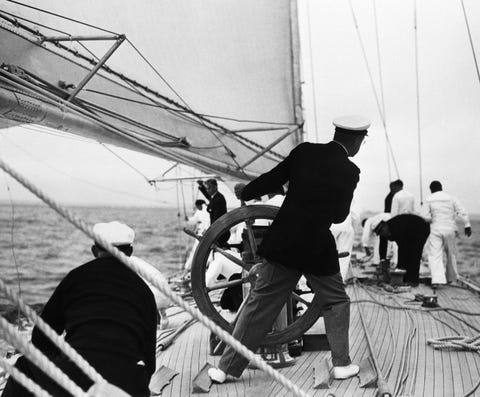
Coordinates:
[108,315]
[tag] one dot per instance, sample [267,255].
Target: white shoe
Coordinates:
[217,375]
[345,372]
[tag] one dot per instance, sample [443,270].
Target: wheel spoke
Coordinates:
[300,299]
[227,284]
[251,238]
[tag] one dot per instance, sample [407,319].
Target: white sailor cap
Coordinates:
[115,233]
[352,123]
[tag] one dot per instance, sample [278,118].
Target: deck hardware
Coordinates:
[322,374]
[161,378]
[382,386]
[367,374]
[202,382]
[430,301]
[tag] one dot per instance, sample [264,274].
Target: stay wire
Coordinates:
[178,112]
[12,238]
[229,151]
[417,86]
[467,24]
[86,182]
[382,117]
[127,163]
[380,78]
[312,75]
[61,16]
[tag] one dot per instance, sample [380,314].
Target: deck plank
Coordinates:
[430,372]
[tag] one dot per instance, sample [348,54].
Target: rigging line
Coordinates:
[175,112]
[312,75]
[61,16]
[134,85]
[380,78]
[155,104]
[471,39]
[372,84]
[229,151]
[34,23]
[12,240]
[126,162]
[417,86]
[121,192]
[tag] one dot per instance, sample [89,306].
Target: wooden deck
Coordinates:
[411,367]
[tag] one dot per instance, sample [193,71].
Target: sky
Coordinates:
[335,82]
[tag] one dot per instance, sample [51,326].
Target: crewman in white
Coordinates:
[344,234]
[442,210]
[200,221]
[403,201]
[370,240]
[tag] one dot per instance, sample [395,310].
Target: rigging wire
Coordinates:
[61,16]
[134,85]
[470,39]
[312,75]
[382,117]
[120,192]
[380,78]
[229,151]
[419,138]
[155,104]
[126,162]
[12,239]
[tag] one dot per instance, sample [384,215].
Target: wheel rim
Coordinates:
[203,296]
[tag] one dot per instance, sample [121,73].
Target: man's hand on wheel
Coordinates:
[238,189]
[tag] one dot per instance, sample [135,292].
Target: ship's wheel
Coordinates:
[303,309]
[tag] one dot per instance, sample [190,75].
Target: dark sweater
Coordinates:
[108,314]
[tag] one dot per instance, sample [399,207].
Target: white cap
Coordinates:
[352,123]
[115,233]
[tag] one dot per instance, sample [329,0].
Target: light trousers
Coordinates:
[441,243]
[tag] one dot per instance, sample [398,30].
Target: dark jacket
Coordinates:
[109,316]
[217,205]
[321,184]
[408,229]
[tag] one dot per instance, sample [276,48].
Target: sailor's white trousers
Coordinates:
[440,244]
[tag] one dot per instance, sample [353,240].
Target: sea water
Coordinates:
[38,247]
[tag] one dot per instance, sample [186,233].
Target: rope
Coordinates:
[380,78]
[26,382]
[420,173]
[12,240]
[61,16]
[11,335]
[372,84]
[127,163]
[52,335]
[417,309]
[142,271]
[312,75]
[460,342]
[471,40]
[86,182]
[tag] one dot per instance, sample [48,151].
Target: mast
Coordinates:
[296,86]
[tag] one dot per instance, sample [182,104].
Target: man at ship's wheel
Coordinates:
[322,180]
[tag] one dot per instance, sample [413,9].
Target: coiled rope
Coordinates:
[142,271]
[456,343]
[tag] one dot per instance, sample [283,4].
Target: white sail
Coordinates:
[235,60]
